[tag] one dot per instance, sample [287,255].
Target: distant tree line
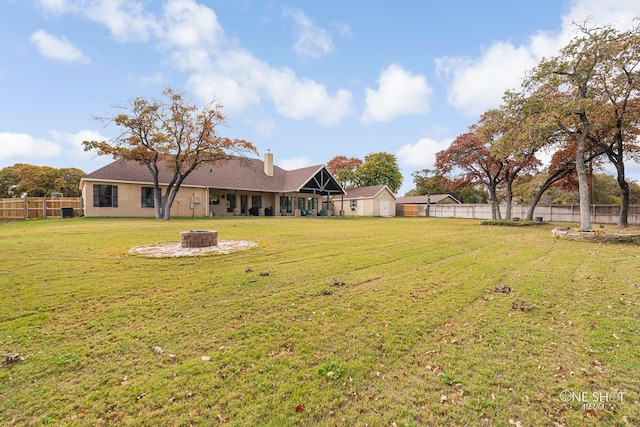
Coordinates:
[23,179]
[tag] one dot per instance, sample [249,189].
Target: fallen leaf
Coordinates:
[299,408]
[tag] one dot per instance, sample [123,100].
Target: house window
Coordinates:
[105,196]
[146,197]
[353,204]
[231,202]
[300,203]
[256,202]
[285,204]
[312,203]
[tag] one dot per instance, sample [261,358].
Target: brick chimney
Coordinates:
[268,164]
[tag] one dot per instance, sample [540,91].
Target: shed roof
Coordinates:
[366,192]
[423,200]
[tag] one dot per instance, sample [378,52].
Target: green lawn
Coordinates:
[358,322]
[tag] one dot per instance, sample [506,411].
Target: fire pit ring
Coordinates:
[199,238]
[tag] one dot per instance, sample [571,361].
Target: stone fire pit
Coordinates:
[199,238]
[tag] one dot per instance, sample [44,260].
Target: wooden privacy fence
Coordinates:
[40,207]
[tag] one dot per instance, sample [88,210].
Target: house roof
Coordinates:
[234,173]
[366,192]
[423,200]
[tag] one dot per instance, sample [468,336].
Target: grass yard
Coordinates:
[329,321]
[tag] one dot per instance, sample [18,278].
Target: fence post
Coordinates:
[44,207]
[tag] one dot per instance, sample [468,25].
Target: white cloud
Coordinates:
[302,98]
[23,148]
[295,163]
[313,41]
[58,149]
[126,19]
[194,41]
[55,6]
[240,81]
[422,154]
[190,26]
[477,84]
[71,143]
[399,93]
[58,48]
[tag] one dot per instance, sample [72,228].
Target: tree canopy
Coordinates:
[376,169]
[344,169]
[170,133]
[39,181]
[581,106]
[590,90]
[380,169]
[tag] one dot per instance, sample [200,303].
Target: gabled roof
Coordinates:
[423,200]
[366,192]
[234,173]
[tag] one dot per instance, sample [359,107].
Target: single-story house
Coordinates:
[376,200]
[236,186]
[417,205]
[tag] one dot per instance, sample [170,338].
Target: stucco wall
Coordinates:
[366,206]
[129,201]
[189,202]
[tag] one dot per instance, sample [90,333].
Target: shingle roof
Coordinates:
[364,192]
[423,200]
[235,173]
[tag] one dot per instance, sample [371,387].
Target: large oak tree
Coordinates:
[171,133]
[379,169]
[591,90]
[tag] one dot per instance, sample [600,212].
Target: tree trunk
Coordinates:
[555,177]
[623,219]
[616,157]
[166,215]
[507,214]
[583,181]
[495,208]
[157,201]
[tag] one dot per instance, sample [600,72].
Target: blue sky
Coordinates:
[306,80]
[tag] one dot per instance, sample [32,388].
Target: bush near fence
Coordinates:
[39,207]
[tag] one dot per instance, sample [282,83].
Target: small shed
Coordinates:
[417,205]
[375,200]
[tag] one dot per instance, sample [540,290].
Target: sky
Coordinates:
[306,80]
